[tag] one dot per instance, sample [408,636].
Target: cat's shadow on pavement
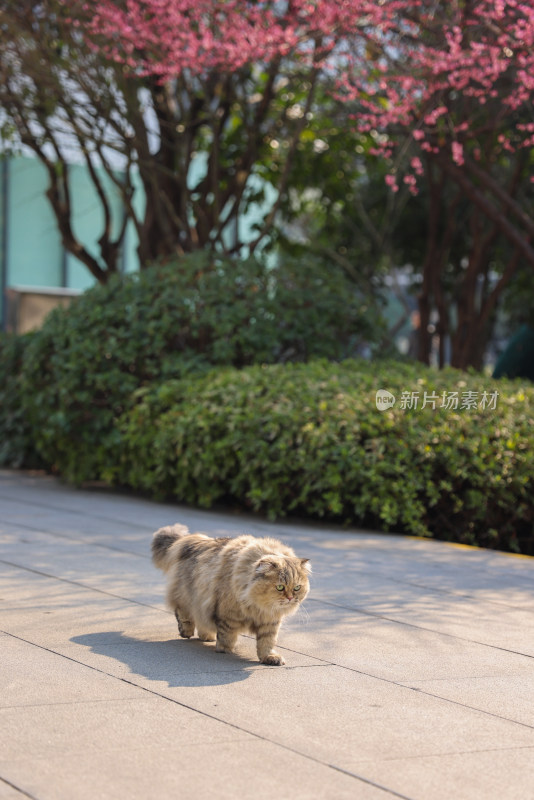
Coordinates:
[172,662]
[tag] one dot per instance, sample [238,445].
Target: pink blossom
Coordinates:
[457,153]
[434,115]
[439,88]
[391,181]
[416,165]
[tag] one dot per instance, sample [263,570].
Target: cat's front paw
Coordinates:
[273,660]
[186,629]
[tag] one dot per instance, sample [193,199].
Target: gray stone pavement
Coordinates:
[409,671]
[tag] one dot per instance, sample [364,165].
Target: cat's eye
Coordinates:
[280,588]
[296,588]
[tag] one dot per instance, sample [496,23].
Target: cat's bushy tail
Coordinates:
[161,542]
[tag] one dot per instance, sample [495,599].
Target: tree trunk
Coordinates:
[431,266]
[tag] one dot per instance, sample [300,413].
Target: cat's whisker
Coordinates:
[302,613]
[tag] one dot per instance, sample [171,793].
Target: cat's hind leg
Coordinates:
[206,636]
[227,633]
[186,626]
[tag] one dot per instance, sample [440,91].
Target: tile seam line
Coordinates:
[128,699]
[413,537]
[450,592]
[117,700]
[438,697]
[18,789]
[84,541]
[446,700]
[439,591]
[233,725]
[457,545]
[80,585]
[406,685]
[323,661]
[311,599]
[418,627]
[449,754]
[67,510]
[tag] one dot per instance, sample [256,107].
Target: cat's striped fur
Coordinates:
[223,587]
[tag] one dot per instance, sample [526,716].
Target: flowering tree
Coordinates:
[58,101]
[199,95]
[407,63]
[233,81]
[195,133]
[450,87]
[447,86]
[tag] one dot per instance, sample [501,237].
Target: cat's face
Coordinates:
[281,583]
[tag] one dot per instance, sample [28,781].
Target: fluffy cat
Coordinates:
[224,587]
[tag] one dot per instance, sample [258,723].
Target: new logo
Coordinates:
[384,400]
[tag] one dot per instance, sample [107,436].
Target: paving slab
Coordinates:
[401,653]
[345,717]
[409,669]
[8,792]
[176,769]
[476,621]
[510,695]
[500,773]
[32,676]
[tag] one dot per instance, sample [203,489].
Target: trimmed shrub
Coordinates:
[309,440]
[171,320]
[16,439]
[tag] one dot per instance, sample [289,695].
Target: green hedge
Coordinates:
[131,385]
[79,371]
[17,446]
[309,440]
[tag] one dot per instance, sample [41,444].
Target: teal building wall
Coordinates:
[31,252]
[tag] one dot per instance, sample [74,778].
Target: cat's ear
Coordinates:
[305,564]
[265,565]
